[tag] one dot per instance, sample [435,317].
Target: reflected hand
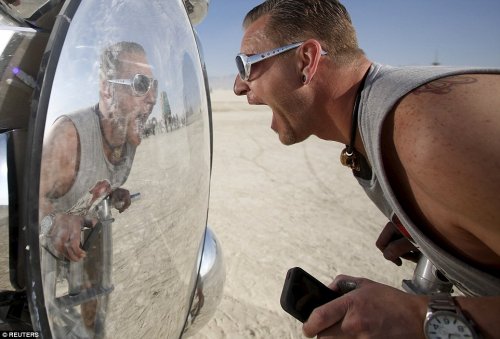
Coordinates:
[65,235]
[370,310]
[120,199]
[395,246]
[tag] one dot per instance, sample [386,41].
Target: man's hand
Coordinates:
[395,246]
[65,235]
[371,310]
[120,199]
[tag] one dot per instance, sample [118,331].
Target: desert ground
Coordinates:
[274,207]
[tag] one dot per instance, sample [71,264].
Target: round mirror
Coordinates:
[124,174]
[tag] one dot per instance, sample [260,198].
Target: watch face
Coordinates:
[444,324]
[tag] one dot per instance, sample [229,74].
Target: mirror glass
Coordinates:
[4,217]
[124,173]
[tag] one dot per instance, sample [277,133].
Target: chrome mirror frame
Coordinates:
[29,215]
[209,287]
[21,54]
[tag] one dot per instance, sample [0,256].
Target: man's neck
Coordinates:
[338,103]
[113,152]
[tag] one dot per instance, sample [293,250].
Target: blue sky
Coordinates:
[395,32]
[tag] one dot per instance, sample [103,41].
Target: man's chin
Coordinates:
[286,136]
[135,134]
[287,139]
[135,140]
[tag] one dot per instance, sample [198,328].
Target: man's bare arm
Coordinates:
[60,161]
[449,151]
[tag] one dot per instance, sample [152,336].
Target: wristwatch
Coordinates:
[46,224]
[444,319]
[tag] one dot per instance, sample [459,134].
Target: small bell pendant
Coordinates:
[349,159]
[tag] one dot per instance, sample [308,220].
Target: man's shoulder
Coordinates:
[405,79]
[449,104]
[449,124]
[66,127]
[75,119]
[445,134]
[82,113]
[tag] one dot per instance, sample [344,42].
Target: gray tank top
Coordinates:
[384,87]
[94,165]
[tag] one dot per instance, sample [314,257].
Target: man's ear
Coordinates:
[310,54]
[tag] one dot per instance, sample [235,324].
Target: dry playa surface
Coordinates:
[274,207]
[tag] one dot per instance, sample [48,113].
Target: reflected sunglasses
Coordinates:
[140,84]
[245,62]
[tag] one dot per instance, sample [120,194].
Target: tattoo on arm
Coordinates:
[445,85]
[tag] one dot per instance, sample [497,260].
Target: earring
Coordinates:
[304,78]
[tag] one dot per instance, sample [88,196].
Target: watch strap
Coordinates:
[444,302]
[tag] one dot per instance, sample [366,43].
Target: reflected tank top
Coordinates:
[94,165]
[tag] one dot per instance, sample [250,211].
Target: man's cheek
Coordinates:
[135,131]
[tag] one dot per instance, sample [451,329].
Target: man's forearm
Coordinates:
[484,312]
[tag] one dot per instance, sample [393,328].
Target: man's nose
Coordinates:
[240,87]
[151,96]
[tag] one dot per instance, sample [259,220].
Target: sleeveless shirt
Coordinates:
[384,87]
[94,166]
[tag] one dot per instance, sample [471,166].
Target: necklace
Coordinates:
[349,156]
[116,151]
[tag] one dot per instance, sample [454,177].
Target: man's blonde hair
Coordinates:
[111,57]
[296,20]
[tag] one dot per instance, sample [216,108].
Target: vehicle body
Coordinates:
[162,269]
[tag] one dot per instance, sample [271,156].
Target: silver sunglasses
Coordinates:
[140,84]
[245,62]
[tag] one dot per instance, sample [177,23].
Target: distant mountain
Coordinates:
[221,82]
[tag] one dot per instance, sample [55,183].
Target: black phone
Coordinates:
[302,293]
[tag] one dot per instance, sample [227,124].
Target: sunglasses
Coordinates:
[245,62]
[140,84]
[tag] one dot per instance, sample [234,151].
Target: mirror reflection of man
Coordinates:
[88,154]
